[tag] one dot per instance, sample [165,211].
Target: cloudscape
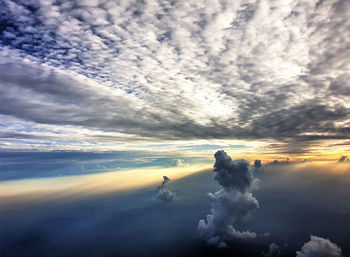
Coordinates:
[179,128]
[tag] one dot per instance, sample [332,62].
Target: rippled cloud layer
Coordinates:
[174,70]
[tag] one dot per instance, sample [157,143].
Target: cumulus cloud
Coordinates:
[251,69]
[319,247]
[163,193]
[229,204]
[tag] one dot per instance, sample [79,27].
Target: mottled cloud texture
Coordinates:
[165,70]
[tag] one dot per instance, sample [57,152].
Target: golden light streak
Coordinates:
[72,187]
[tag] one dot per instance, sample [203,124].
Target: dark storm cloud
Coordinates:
[176,70]
[232,202]
[319,247]
[232,174]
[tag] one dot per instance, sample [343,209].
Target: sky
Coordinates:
[262,79]
[303,211]
[175,128]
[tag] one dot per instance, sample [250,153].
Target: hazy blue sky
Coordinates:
[296,201]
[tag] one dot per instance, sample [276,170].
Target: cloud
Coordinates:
[274,250]
[319,247]
[229,204]
[342,159]
[163,193]
[257,165]
[277,162]
[180,163]
[251,69]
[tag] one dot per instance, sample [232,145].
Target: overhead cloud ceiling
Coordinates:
[165,70]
